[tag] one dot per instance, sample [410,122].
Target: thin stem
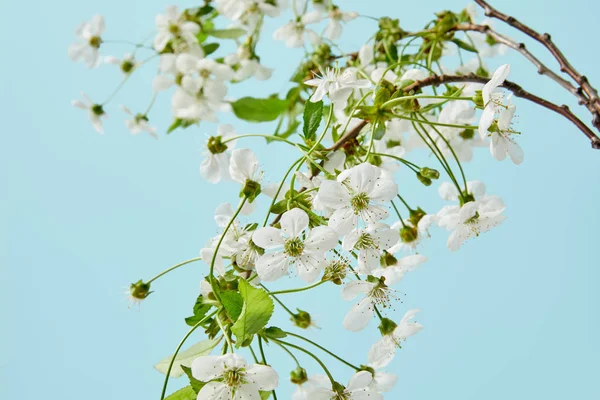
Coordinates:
[290,353]
[436,123]
[279,190]
[314,285]
[253,354]
[409,164]
[278,301]
[173,268]
[227,338]
[164,389]
[310,354]
[262,351]
[118,88]
[393,102]
[340,359]
[398,213]
[280,139]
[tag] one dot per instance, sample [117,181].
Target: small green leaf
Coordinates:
[379,130]
[258,110]
[256,313]
[274,332]
[187,393]
[210,48]
[233,303]
[279,207]
[383,95]
[313,112]
[200,310]
[176,124]
[464,46]
[264,395]
[232,33]
[194,383]
[185,358]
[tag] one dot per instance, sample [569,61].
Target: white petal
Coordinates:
[354,288]
[343,220]
[294,222]
[382,352]
[333,194]
[359,315]
[310,265]
[263,376]
[360,380]
[272,266]
[210,169]
[321,239]
[243,165]
[215,391]
[384,382]
[448,191]
[207,368]
[268,238]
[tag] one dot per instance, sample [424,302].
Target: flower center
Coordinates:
[365,241]
[359,202]
[382,295]
[174,29]
[234,377]
[95,41]
[294,247]
[204,73]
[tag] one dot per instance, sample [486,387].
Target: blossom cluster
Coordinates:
[340,216]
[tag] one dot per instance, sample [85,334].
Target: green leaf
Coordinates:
[200,310]
[232,33]
[185,358]
[176,124]
[210,48]
[258,110]
[464,46]
[274,332]
[257,310]
[313,112]
[264,395]
[194,383]
[187,393]
[280,207]
[379,130]
[233,303]
[383,95]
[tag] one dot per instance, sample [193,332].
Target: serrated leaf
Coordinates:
[256,313]
[313,112]
[194,383]
[187,393]
[185,358]
[210,48]
[233,303]
[258,110]
[464,46]
[200,310]
[232,33]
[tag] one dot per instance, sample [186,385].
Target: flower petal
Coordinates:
[359,315]
[294,222]
[272,266]
[268,238]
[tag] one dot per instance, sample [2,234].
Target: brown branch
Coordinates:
[518,91]
[565,66]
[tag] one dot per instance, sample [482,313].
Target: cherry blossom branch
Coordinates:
[565,66]
[517,90]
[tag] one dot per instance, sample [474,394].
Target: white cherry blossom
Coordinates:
[95,111]
[215,165]
[86,48]
[244,166]
[138,123]
[359,192]
[294,33]
[393,273]
[492,99]
[293,245]
[229,377]
[502,143]
[333,30]
[337,86]
[375,292]
[370,243]
[171,25]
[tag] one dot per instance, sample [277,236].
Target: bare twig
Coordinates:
[436,80]
[565,66]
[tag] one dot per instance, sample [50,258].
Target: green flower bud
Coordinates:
[387,326]
[298,376]
[424,180]
[251,190]
[408,234]
[139,291]
[215,146]
[430,173]
[302,319]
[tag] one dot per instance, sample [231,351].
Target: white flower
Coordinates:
[243,166]
[127,64]
[492,99]
[294,32]
[337,86]
[376,293]
[206,68]
[95,111]
[198,99]
[229,377]
[360,387]
[502,143]
[333,31]
[370,242]
[238,240]
[139,123]
[247,66]
[415,235]
[87,48]
[360,191]
[171,26]
[384,350]
[462,141]
[477,215]
[313,389]
[394,272]
[215,165]
[382,381]
[249,12]
[305,252]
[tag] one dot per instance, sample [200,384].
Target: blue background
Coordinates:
[514,314]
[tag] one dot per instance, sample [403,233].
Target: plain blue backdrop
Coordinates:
[514,314]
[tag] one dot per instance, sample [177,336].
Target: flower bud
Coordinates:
[97,109]
[387,326]
[430,173]
[298,376]
[301,319]
[408,234]
[424,180]
[139,290]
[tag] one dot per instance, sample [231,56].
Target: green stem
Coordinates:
[211,277]
[290,353]
[436,123]
[280,139]
[114,93]
[404,202]
[398,213]
[340,359]
[393,102]
[227,338]
[278,301]
[409,164]
[279,190]
[173,268]
[310,354]
[314,285]
[164,390]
